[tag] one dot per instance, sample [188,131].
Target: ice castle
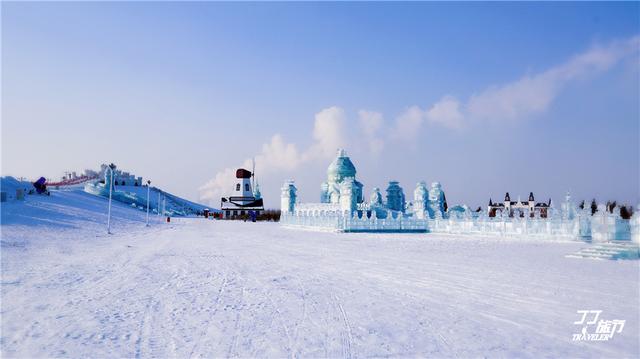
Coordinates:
[343,207]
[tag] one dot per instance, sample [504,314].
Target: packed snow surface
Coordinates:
[202,288]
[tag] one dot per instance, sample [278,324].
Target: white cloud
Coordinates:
[513,101]
[329,132]
[277,156]
[446,112]
[370,123]
[222,182]
[508,102]
[519,99]
[408,123]
[535,93]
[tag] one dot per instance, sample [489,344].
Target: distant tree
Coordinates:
[269,215]
[444,199]
[612,205]
[479,209]
[625,212]
[581,206]
[594,207]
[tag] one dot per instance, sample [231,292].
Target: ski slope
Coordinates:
[202,288]
[137,196]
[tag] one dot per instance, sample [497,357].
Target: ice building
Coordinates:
[120,178]
[518,208]
[341,182]
[342,207]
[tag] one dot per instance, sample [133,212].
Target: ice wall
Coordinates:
[602,227]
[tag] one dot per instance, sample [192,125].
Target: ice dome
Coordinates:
[341,168]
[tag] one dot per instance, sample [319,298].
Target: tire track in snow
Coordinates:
[143,329]
[304,314]
[197,350]
[233,348]
[347,341]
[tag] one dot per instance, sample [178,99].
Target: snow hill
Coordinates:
[65,214]
[9,185]
[134,196]
[159,200]
[204,288]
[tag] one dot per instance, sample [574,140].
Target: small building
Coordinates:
[120,178]
[243,199]
[518,208]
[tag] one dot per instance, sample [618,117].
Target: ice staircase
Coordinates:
[609,250]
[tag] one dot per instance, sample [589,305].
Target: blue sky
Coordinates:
[483,97]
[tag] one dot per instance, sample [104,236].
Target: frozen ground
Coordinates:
[198,288]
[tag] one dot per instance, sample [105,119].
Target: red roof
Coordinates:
[242,173]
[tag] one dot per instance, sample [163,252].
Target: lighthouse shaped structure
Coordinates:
[242,199]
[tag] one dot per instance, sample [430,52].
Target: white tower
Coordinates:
[242,187]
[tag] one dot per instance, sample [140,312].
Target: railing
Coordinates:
[71,182]
[338,220]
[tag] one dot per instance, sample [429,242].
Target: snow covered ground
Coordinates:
[200,288]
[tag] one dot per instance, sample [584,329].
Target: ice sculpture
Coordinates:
[342,209]
[421,200]
[395,197]
[340,169]
[635,225]
[436,201]
[568,208]
[350,194]
[376,197]
[288,197]
[256,192]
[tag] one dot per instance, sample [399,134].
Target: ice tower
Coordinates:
[421,200]
[349,195]
[568,209]
[256,192]
[437,201]
[395,197]
[340,169]
[288,197]
[376,198]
